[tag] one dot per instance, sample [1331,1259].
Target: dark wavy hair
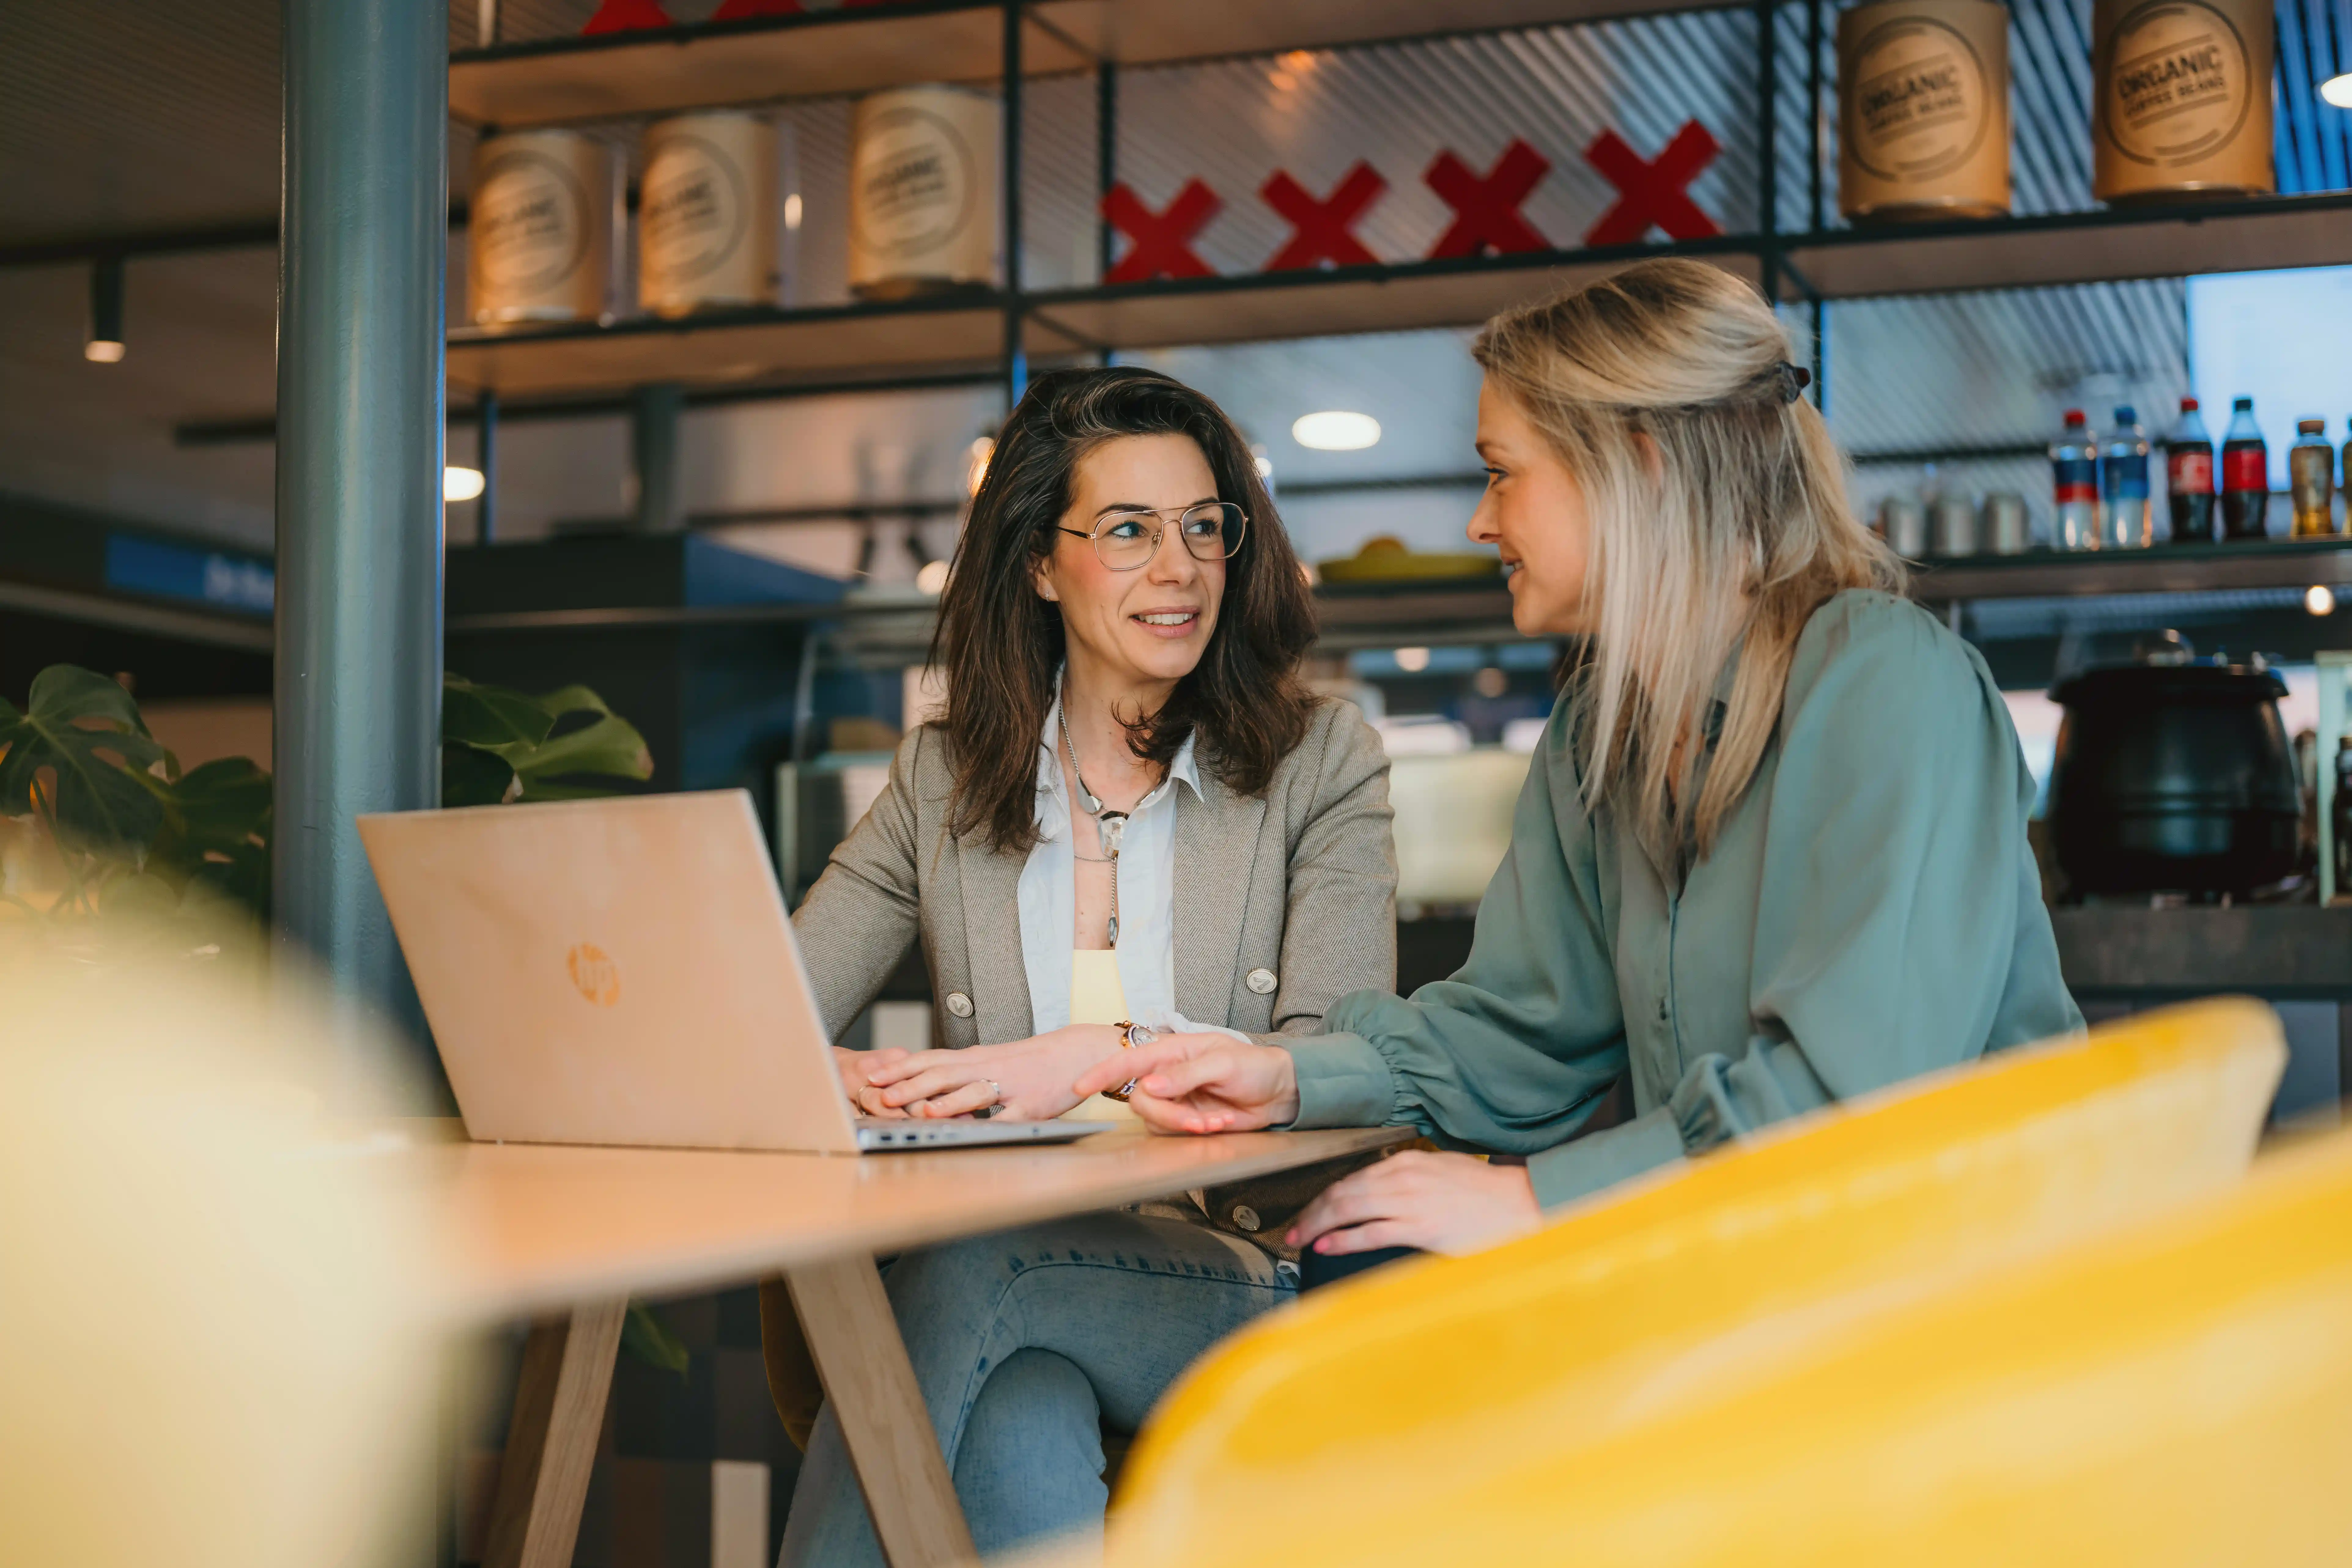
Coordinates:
[998,643]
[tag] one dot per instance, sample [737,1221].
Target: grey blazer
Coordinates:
[1284,903]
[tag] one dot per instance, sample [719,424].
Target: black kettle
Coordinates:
[2174,775]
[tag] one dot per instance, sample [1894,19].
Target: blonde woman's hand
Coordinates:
[1203,1083]
[1031,1077]
[1438,1202]
[856,1070]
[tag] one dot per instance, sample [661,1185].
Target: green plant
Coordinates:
[123,822]
[499,745]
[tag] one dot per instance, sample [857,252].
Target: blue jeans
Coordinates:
[1023,1344]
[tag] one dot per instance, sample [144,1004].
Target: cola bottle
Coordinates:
[2245,475]
[2188,476]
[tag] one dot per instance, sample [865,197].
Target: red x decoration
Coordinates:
[1319,229]
[1160,243]
[626,16]
[1486,207]
[1652,194]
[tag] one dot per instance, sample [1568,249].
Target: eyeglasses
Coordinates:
[1125,540]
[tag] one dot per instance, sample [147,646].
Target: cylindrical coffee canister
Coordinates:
[2006,530]
[539,228]
[2182,99]
[923,203]
[1952,526]
[707,212]
[1902,522]
[1923,109]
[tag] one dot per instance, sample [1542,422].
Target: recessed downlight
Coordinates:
[1336,430]
[2338,90]
[461,484]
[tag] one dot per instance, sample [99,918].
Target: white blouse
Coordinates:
[1146,953]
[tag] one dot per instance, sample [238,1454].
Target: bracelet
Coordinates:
[1130,1036]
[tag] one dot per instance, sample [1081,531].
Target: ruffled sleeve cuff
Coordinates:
[1342,1082]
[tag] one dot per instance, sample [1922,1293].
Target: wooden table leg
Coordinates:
[559,1413]
[869,1383]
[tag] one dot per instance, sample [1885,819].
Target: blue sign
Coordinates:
[166,571]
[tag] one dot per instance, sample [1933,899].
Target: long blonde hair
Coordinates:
[1727,529]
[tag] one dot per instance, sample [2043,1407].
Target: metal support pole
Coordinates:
[1822,355]
[1813,113]
[1768,141]
[1016,357]
[485,453]
[1106,165]
[365,207]
[1106,173]
[653,437]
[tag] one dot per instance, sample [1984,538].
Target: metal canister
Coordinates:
[1923,109]
[539,229]
[2007,531]
[923,203]
[2182,99]
[707,213]
[1902,522]
[1952,526]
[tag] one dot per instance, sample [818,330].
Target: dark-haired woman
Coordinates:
[1132,811]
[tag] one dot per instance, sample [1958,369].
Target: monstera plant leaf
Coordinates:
[215,829]
[76,757]
[501,745]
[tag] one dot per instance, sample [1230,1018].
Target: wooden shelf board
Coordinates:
[2164,569]
[1159,32]
[1300,305]
[818,54]
[2084,247]
[765,346]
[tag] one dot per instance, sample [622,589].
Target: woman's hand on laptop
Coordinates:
[1203,1083]
[856,1070]
[1027,1080]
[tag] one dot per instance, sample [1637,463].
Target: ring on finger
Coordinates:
[995,1100]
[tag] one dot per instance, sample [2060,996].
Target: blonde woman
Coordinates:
[1771,852]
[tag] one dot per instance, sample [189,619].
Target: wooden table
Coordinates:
[569,1235]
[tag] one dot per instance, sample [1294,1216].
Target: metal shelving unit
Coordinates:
[880,630]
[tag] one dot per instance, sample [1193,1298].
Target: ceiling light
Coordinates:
[1413,660]
[792,211]
[1336,430]
[2338,90]
[461,484]
[932,577]
[104,343]
[2318,599]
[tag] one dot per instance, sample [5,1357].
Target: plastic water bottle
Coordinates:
[2074,469]
[2129,522]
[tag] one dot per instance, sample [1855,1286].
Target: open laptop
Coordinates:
[622,971]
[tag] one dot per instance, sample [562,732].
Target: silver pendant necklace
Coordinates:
[1110,826]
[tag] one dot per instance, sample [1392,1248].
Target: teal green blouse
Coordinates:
[1870,912]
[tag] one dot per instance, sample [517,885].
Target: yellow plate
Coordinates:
[1396,566]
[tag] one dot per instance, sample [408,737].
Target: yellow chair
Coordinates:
[2176,1395]
[1670,1294]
